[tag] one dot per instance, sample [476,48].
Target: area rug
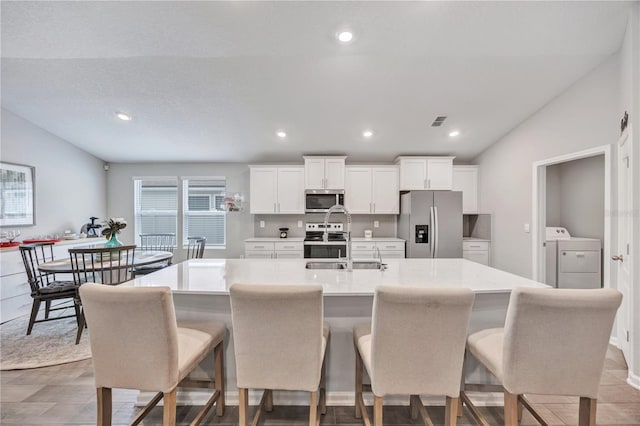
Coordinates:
[50,343]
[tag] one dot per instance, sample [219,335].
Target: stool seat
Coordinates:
[486,347]
[195,340]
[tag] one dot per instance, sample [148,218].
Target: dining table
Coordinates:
[140,258]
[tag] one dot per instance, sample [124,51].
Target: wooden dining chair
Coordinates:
[155,242]
[195,250]
[44,286]
[104,265]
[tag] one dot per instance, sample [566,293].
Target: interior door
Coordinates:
[622,257]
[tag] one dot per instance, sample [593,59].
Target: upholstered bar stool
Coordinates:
[137,344]
[414,346]
[554,342]
[280,342]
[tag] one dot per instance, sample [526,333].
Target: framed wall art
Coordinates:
[17,194]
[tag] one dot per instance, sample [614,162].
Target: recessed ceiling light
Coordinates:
[454,133]
[367,133]
[123,116]
[281,134]
[345,36]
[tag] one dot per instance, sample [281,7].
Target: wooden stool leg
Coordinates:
[268,401]
[377,410]
[314,420]
[510,409]
[323,387]
[414,407]
[587,415]
[243,407]
[450,410]
[104,406]
[169,408]
[358,383]
[218,353]
[520,411]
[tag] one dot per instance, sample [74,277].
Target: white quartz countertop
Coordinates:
[273,239]
[215,276]
[381,239]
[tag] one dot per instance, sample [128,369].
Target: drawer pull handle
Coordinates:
[390,247]
[259,246]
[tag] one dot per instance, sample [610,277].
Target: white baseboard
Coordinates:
[614,341]
[634,381]
[200,397]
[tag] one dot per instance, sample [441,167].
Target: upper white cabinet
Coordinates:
[276,189]
[324,172]
[371,190]
[465,179]
[434,173]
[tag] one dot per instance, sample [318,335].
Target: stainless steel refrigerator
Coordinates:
[431,223]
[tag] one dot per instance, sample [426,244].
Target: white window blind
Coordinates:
[203,214]
[156,206]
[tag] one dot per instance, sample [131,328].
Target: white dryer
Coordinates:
[572,262]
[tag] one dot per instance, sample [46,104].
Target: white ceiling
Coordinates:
[213,81]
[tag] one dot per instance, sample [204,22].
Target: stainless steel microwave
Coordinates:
[320,200]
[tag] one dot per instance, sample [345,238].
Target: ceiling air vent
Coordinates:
[438,121]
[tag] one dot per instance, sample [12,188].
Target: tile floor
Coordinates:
[65,395]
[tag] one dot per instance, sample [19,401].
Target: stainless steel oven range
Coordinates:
[316,248]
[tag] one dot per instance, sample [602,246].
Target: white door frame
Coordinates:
[539,214]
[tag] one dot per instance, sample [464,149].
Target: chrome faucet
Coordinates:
[381,265]
[325,236]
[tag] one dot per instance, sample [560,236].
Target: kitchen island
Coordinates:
[201,291]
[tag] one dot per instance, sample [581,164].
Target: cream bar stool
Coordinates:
[136,344]
[414,346]
[554,343]
[280,341]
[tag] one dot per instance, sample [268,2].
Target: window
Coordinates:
[203,213]
[156,205]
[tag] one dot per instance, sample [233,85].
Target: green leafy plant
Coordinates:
[113,226]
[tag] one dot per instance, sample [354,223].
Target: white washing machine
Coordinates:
[572,262]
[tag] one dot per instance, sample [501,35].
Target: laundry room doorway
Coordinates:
[572,205]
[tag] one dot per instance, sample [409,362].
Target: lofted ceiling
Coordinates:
[214,81]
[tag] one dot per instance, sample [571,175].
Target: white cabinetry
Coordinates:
[261,250]
[465,179]
[435,173]
[289,250]
[389,249]
[273,249]
[477,251]
[371,190]
[276,190]
[324,172]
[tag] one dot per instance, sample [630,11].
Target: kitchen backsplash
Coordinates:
[359,223]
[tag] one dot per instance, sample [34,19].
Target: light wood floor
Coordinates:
[65,395]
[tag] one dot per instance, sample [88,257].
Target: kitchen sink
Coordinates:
[342,265]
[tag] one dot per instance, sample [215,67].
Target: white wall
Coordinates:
[582,117]
[120,198]
[70,184]
[576,191]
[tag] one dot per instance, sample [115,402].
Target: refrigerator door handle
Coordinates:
[436,236]
[432,231]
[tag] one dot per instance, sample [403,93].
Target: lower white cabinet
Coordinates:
[273,250]
[289,250]
[476,251]
[388,249]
